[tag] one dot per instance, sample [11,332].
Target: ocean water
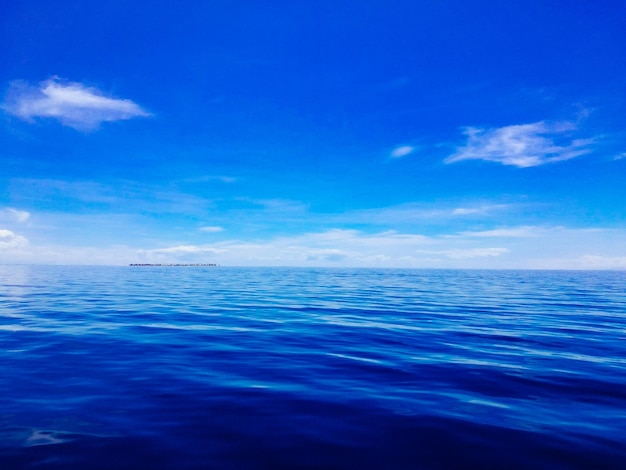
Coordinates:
[277,368]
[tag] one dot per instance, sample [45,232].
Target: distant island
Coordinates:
[173,264]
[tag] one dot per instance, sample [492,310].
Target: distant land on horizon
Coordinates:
[173,264]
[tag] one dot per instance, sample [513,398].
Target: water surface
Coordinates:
[254,368]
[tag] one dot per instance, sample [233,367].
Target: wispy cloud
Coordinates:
[467,253]
[402,151]
[465,211]
[505,232]
[130,195]
[281,205]
[417,212]
[9,214]
[205,178]
[603,262]
[10,240]
[523,231]
[551,248]
[328,254]
[331,247]
[337,247]
[483,209]
[73,104]
[185,249]
[523,145]
[211,229]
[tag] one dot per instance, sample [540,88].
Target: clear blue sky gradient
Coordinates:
[469,134]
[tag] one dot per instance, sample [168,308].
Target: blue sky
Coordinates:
[457,134]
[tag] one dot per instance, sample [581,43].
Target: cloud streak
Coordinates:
[523,146]
[185,249]
[73,104]
[505,232]
[336,247]
[133,196]
[467,253]
[418,212]
[551,248]
[402,151]
[211,229]
[9,214]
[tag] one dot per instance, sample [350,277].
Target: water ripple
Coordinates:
[309,368]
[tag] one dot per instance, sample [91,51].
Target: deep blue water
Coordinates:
[245,368]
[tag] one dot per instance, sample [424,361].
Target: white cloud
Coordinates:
[334,247]
[184,249]
[484,209]
[91,238]
[523,145]
[465,211]
[555,247]
[402,151]
[73,104]
[514,232]
[211,229]
[178,253]
[328,254]
[467,253]
[414,212]
[10,240]
[603,262]
[9,214]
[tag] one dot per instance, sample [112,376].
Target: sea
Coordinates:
[207,367]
